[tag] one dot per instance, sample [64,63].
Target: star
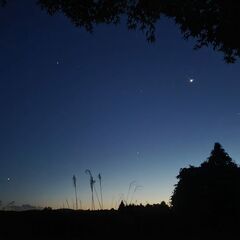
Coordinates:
[8,179]
[191,80]
[57,62]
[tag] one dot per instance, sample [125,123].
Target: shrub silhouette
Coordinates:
[210,191]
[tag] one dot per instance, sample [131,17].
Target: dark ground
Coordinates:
[110,224]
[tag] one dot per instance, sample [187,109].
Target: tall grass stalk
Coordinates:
[100,183]
[91,180]
[134,191]
[129,189]
[75,188]
[67,204]
[96,194]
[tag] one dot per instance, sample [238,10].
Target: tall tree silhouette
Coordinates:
[214,23]
[211,190]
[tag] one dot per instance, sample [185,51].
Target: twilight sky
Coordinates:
[109,102]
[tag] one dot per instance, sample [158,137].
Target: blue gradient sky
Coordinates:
[109,102]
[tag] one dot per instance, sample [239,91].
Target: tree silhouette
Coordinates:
[212,23]
[121,206]
[209,191]
[219,158]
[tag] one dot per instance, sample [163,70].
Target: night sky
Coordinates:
[110,102]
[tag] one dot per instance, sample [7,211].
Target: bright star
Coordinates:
[191,80]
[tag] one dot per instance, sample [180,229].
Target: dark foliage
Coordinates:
[161,208]
[213,23]
[121,206]
[210,192]
[3,2]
